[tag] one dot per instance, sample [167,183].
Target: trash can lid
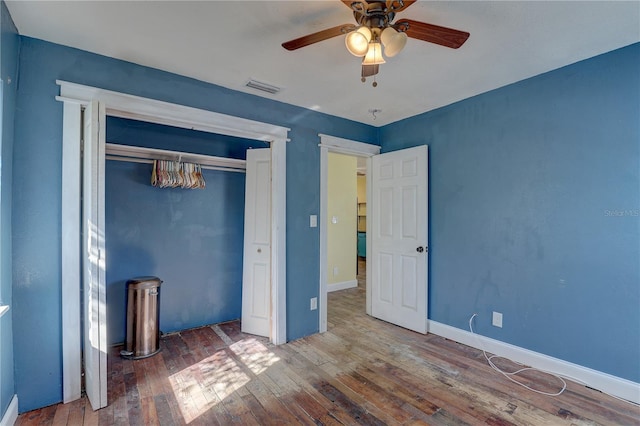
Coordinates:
[144,280]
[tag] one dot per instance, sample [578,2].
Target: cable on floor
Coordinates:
[509,375]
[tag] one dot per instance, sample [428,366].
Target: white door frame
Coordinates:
[340,146]
[74,96]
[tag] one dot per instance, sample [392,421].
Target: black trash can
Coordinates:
[143,318]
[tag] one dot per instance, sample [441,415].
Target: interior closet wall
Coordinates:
[191,239]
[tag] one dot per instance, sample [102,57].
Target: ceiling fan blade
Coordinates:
[399,6]
[369,70]
[319,36]
[443,36]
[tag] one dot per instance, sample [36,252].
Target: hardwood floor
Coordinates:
[362,371]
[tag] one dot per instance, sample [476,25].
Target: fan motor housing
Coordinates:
[373,14]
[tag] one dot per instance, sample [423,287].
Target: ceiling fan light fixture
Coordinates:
[374,54]
[375,36]
[393,41]
[357,41]
[387,35]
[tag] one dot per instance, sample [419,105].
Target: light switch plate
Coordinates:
[313,221]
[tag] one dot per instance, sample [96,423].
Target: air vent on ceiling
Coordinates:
[258,85]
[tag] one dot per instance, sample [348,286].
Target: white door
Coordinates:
[93,271]
[256,277]
[399,238]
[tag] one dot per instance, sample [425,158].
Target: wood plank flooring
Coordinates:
[362,371]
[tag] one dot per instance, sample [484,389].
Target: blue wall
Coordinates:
[9,43]
[191,239]
[36,202]
[534,211]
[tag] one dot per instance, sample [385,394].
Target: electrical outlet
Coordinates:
[497,319]
[314,303]
[313,221]
[335,271]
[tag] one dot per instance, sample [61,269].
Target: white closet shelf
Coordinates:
[147,155]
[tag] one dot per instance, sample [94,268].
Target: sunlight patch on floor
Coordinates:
[205,384]
[254,355]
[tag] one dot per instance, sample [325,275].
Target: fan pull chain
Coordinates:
[374,84]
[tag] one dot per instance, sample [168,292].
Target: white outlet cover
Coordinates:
[313,221]
[313,303]
[497,319]
[334,219]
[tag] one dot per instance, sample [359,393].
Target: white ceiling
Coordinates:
[229,42]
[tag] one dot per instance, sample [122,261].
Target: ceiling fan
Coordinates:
[376,33]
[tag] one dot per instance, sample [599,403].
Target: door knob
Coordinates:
[419,249]
[259,250]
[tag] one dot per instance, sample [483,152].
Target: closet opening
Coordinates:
[192,239]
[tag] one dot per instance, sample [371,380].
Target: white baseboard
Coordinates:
[342,285]
[11,415]
[604,382]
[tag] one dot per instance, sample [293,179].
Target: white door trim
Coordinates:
[342,146]
[71,178]
[150,110]
[279,241]
[159,112]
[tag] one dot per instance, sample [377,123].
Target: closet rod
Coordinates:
[137,154]
[146,161]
